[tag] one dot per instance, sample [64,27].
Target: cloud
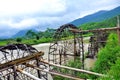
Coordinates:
[6,31]
[81,8]
[25,7]
[21,14]
[24,23]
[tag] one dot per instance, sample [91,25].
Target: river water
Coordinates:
[89,63]
[45,48]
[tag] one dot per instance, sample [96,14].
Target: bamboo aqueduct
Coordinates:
[24,62]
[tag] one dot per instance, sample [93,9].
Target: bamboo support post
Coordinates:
[118,30]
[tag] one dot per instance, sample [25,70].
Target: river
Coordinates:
[45,48]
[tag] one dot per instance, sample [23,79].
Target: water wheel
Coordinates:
[66,45]
[14,52]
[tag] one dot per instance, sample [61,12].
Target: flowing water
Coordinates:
[89,63]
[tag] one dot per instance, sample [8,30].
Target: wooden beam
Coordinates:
[94,30]
[74,69]
[21,60]
[54,73]
[28,74]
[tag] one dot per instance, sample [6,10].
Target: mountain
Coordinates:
[98,16]
[22,33]
[4,37]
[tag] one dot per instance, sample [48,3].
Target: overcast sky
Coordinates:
[21,14]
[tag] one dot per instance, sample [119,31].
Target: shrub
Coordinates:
[114,73]
[75,64]
[107,56]
[19,39]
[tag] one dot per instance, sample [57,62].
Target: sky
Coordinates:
[17,15]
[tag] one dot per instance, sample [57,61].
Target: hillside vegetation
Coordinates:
[103,24]
[108,62]
[108,59]
[97,17]
[32,37]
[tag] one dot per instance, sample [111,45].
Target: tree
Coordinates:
[30,34]
[19,39]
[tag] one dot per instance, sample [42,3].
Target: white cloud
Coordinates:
[24,23]
[21,14]
[81,8]
[20,25]
[21,7]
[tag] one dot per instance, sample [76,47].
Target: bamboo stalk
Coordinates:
[54,73]
[74,69]
[28,74]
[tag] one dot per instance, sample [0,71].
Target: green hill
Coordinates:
[97,17]
[112,22]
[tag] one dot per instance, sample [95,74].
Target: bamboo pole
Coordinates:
[28,74]
[75,52]
[94,30]
[118,30]
[21,60]
[54,73]
[74,69]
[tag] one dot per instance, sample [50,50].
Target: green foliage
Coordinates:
[115,70]
[71,63]
[26,41]
[45,40]
[37,37]
[103,24]
[2,43]
[75,64]
[114,73]
[30,34]
[19,40]
[108,55]
[46,34]
[87,34]
[34,41]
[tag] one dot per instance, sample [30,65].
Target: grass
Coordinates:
[2,43]
[108,59]
[34,41]
[26,41]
